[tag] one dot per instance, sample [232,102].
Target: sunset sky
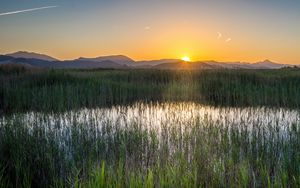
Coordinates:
[224,30]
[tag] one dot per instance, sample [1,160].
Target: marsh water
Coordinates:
[204,140]
[157,117]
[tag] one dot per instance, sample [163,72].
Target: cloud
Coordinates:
[228,40]
[220,35]
[26,10]
[147,28]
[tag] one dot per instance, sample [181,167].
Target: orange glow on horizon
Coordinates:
[186,59]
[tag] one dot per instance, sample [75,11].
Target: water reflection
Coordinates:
[148,134]
[157,115]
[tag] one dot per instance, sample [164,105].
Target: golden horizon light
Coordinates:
[186,59]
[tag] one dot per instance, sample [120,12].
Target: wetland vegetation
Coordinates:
[149,128]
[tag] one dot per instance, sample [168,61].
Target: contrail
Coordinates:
[26,10]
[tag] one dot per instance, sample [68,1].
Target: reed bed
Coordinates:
[171,144]
[63,90]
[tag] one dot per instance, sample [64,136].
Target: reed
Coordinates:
[149,128]
[152,145]
[62,90]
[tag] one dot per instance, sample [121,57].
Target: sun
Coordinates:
[186,59]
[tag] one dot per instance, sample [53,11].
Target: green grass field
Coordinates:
[143,128]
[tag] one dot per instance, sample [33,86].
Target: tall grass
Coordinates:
[152,145]
[65,90]
[52,133]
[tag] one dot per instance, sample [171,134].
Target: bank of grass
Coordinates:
[61,90]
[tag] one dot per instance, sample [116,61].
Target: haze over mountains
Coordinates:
[31,59]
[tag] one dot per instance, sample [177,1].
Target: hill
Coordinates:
[31,55]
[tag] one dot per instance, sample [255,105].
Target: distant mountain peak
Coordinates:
[267,61]
[31,55]
[269,64]
[108,56]
[119,59]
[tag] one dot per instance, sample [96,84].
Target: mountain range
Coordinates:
[30,59]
